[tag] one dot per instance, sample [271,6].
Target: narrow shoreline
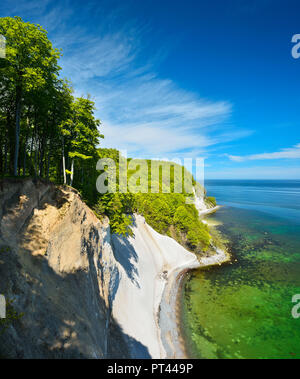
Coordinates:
[208,211]
[169,317]
[170,336]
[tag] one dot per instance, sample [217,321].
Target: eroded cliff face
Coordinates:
[83,292]
[57,264]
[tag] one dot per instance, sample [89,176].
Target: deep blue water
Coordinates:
[275,197]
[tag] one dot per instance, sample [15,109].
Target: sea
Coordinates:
[248,307]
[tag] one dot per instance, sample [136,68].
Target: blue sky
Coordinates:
[212,79]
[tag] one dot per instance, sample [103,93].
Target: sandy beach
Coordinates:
[172,339]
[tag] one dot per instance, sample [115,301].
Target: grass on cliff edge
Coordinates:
[168,213]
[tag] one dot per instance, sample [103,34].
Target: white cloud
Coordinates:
[152,116]
[288,153]
[95,57]
[140,111]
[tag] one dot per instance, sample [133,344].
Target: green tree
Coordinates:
[31,64]
[80,132]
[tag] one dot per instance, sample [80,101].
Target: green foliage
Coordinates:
[167,213]
[41,124]
[11,316]
[31,72]
[5,249]
[156,210]
[31,59]
[211,201]
[80,130]
[117,207]
[188,221]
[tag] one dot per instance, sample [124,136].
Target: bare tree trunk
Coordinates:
[5,156]
[35,159]
[64,163]
[31,149]
[35,164]
[24,158]
[1,157]
[41,158]
[25,147]
[72,172]
[18,119]
[64,169]
[48,163]
[24,162]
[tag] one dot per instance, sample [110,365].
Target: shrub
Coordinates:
[211,201]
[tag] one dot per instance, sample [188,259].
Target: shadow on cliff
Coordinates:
[125,254]
[64,314]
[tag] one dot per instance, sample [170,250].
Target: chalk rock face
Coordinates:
[57,264]
[83,293]
[199,201]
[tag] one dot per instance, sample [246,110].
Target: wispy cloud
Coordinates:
[150,115]
[140,111]
[288,153]
[88,57]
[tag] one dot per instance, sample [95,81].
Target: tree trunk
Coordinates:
[24,158]
[10,144]
[31,149]
[25,148]
[18,119]
[48,163]
[5,156]
[72,172]
[64,163]
[1,157]
[35,159]
[41,165]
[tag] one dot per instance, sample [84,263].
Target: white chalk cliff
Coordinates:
[84,293]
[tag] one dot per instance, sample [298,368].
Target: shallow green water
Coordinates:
[243,310]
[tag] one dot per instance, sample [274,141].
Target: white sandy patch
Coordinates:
[220,257]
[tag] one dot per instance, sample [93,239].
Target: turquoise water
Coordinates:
[243,309]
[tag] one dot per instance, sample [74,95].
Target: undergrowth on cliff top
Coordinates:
[168,213]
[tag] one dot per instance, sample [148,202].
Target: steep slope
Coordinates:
[83,292]
[56,263]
